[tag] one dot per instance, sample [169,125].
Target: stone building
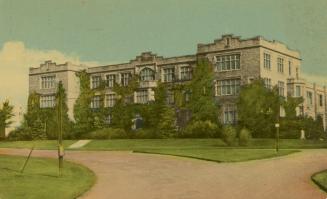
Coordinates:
[236,62]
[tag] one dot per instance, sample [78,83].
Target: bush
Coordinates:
[200,129]
[106,133]
[145,134]
[244,137]
[228,135]
[20,134]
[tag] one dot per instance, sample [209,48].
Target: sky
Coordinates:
[110,31]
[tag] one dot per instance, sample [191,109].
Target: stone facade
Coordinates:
[56,72]
[236,62]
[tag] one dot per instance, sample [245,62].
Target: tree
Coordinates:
[63,114]
[123,110]
[84,120]
[167,124]
[6,113]
[202,104]
[290,125]
[258,108]
[34,120]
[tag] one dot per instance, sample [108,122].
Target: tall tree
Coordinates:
[63,114]
[258,108]
[35,120]
[122,112]
[6,113]
[202,103]
[84,120]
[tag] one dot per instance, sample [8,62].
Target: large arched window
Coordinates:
[147,74]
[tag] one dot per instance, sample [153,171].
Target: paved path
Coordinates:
[79,144]
[126,175]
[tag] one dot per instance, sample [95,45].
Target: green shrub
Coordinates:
[228,135]
[106,133]
[144,133]
[20,134]
[200,129]
[244,137]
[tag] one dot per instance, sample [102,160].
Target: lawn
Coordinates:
[39,144]
[320,179]
[207,149]
[221,155]
[140,144]
[40,179]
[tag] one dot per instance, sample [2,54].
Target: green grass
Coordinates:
[140,144]
[221,155]
[40,179]
[39,144]
[320,179]
[136,144]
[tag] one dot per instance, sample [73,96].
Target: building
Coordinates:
[236,62]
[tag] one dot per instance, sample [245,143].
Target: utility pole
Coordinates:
[277,127]
[60,145]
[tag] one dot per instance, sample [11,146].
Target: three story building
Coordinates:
[236,62]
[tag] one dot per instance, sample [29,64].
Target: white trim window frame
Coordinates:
[96,102]
[168,74]
[280,65]
[229,114]
[48,82]
[110,100]
[47,101]
[228,87]
[281,88]
[267,61]
[95,81]
[142,96]
[228,62]
[110,80]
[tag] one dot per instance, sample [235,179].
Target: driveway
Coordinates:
[127,175]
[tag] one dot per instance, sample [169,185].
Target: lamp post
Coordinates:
[59,120]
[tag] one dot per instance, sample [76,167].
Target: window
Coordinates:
[267,82]
[142,96]
[228,62]
[186,73]
[168,74]
[309,98]
[96,102]
[187,96]
[110,100]
[321,100]
[170,97]
[48,82]
[266,61]
[96,81]
[108,119]
[281,88]
[280,65]
[230,114]
[228,87]
[289,68]
[125,77]
[297,91]
[47,101]
[147,74]
[110,80]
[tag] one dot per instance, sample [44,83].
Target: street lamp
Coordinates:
[59,121]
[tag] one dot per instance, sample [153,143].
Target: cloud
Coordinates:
[15,60]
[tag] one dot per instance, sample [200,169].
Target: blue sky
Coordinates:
[118,30]
[110,31]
